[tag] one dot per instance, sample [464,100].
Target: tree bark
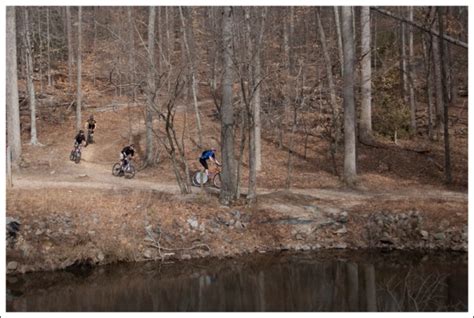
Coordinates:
[339,38]
[79,71]
[429,84]
[348,92]
[254,120]
[228,190]
[69,46]
[187,43]
[150,98]
[447,152]
[13,107]
[29,79]
[403,61]
[410,74]
[131,54]
[48,39]
[366,78]
[438,82]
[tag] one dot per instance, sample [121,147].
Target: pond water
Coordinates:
[311,281]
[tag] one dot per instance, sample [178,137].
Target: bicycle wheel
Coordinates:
[78,157]
[129,172]
[217,180]
[72,156]
[116,169]
[199,177]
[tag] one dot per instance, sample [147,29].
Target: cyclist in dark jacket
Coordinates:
[127,153]
[80,137]
[206,155]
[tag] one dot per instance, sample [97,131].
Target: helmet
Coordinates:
[213,149]
[132,146]
[81,131]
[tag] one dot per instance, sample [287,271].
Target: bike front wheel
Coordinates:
[77,158]
[116,169]
[129,172]
[217,181]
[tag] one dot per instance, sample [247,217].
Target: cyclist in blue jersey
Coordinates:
[208,154]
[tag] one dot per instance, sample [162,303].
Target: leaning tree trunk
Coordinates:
[79,70]
[13,107]
[228,190]
[29,80]
[348,93]
[366,78]
[447,154]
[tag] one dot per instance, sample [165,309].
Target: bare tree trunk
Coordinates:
[228,190]
[334,131]
[403,61]
[40,55]
[167,37]
[48,39]
[411,75]
[286,40]
[79,71]
[186,35]
[438,84]
[29,79]
[429,84]
[94,48]
[13,107]
[339,38]
[366,78]
[69,46]
[348,91]
[447,151]
[131,54]
[291,40]
[149,160]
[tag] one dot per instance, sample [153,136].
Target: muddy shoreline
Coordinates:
[61,229]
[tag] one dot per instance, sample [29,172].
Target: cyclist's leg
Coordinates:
[204,164]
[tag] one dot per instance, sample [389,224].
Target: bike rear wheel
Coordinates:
[117,169]
[129,172]
[217,180]
[197,177]
[77,158]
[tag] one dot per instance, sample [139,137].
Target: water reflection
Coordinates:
[286,282]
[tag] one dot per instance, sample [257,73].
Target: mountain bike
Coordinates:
[75,154]
[200,176]
[128,170]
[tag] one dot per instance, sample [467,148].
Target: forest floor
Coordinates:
[72,214]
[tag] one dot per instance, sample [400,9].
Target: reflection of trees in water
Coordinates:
[415,292]
[293,283]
